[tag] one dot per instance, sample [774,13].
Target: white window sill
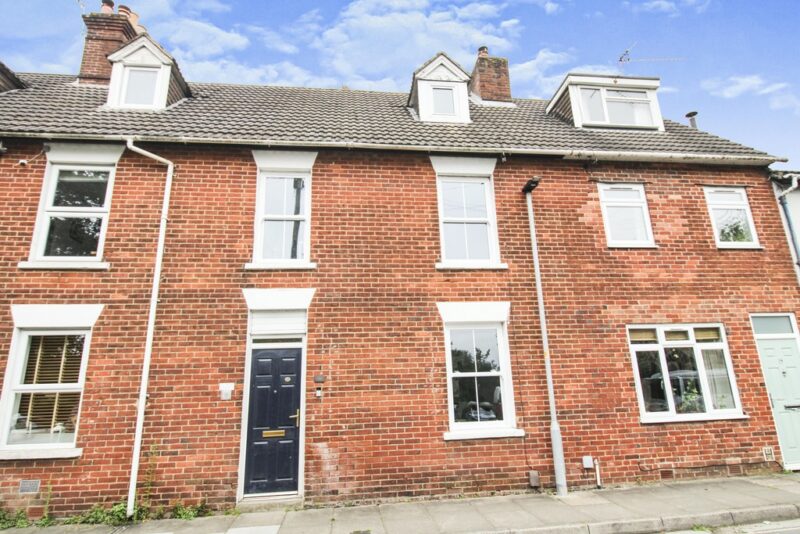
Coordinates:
[484,433]
[455,265]
[619,126]
[39,454]
[703,417]
[749,246]
[267,266]
[64,265]
[632,245]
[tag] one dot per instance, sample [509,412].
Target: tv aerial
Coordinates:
[626,58]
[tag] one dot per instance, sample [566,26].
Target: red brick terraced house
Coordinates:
[240,293]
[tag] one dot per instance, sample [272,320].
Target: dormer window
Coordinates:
[144,77]
[439,91]
[608,101]
[140,86]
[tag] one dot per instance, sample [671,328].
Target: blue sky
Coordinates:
[734,61]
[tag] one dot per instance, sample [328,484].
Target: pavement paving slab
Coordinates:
[550,511]
[316,521]
[361,519]
[505,514]
[457,517]
[405,518]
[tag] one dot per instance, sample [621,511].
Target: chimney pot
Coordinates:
[107,6]
[124,10]
[483,51]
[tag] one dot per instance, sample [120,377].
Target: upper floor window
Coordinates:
[443,101]
[76,200]
[731,218]
[283,210]
[683,373]
[140,85]
[601,105]
[625,215]
[45,376]
[601,100]
[467,224]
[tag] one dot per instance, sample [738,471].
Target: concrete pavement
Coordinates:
[640,509]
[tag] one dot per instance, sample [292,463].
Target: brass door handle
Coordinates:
[296,418]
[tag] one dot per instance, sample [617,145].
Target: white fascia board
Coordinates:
[463,166]
[55,315]
[458,74]
[84,154]
[474,312]
[284,160]
[141,42]
[278,299]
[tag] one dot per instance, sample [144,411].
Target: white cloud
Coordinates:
[666,89]
[735,86]
[785,101]
[670,8]
[387,39]
[196,39]
[282,73]
[550,7]
[541,76]
[273,40]
[658,6]
[778,95]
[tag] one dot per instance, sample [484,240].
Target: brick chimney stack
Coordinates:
[490,79]
[105,33]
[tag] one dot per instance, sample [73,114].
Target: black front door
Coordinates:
[273,434]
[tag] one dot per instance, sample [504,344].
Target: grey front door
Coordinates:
[273,433]
[776,337]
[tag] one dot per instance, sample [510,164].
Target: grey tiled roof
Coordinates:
[53,104]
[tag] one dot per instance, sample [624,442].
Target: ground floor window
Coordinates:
[683,372]
[46,387]
[479,386]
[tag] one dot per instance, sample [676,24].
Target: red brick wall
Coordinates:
[374,329]
[105,33]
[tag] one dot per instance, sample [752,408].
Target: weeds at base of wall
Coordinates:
[116,515]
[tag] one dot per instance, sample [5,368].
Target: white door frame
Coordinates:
[301,458]
[796,337]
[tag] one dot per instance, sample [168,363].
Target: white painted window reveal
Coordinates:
[683,372]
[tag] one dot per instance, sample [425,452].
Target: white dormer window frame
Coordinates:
[143,56]
[575,84]
[441,74]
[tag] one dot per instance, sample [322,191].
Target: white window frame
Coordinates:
[649,98]
[282,164]
[480,315]
[743,204]
[671,416]
[453,96]
[641,203]
[458,169]
[126,86]
[65,156]
[43,320]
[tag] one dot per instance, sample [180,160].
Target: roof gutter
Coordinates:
[580,155]
[151,322]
